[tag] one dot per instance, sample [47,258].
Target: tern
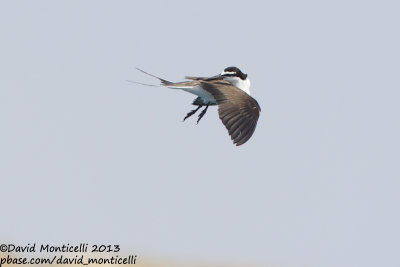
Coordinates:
[230,91]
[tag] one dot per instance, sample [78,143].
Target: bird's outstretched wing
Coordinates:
[195,78]
[212,78]
[238,111]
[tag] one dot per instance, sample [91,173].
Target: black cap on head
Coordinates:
[234,72]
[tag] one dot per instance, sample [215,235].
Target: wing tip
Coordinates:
[245,135]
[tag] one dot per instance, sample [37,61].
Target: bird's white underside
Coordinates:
[206,96]
[239,83]
[196,90]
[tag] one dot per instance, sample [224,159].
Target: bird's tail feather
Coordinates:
[146,84]
[163,82]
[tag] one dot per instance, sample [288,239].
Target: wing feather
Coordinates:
[238,111]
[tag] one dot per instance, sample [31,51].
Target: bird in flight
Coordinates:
[230,90]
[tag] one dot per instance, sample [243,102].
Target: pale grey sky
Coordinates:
[87,157]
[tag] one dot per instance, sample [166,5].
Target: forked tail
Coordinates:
[163,82]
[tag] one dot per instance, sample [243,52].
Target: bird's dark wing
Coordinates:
[238,111]
[195,78]
[213,78]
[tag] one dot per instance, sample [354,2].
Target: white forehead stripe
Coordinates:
[227,72]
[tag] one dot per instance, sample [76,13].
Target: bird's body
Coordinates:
[194,87]
[230,90]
